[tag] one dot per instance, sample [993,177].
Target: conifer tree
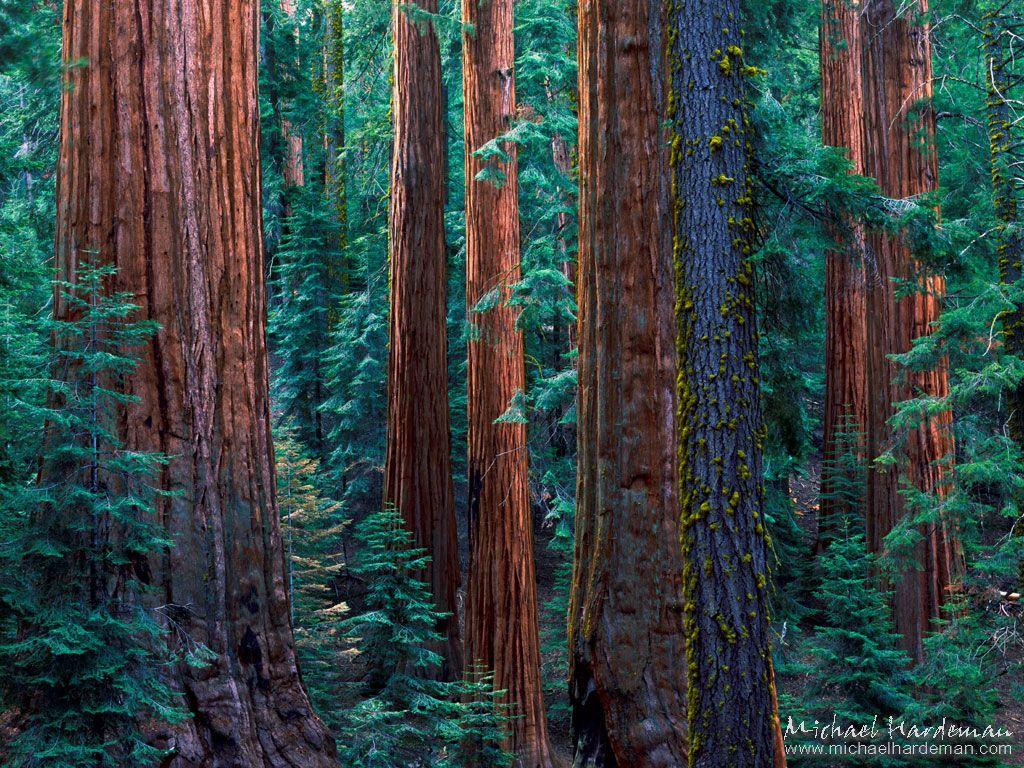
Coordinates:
[313,526]
[846,383]
[625,626]
[959,679]
[732,708]
[30,93]
[502,632]
[417,469]
[355,367]
[403,715]
[900,155]
[299,319]
[159,176]
[335,174]
[844,477]
[83,655]
[1004,80]
[860,670]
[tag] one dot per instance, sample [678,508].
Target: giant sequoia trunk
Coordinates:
[732,713]
[626,643]
[900,154]
[294,165]
[417,475]
[501,594]
[846,395]
[160,176]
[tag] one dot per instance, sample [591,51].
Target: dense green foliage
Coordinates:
[76,643]
[400,716]
[365,627]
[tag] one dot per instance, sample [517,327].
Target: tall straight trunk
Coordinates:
[846,396]
[159,175]
[626,638]
[900,154]
[501,595]
[294,165]
[1002,135]
[334,146]
[732,708]
[417,473]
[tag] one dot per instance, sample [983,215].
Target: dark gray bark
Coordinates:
[725,583]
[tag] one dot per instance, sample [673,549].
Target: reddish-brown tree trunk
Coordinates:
[900,154]
[846,398]
[501,595]
[626,643]
[294,166]
[417,475]
[160,176]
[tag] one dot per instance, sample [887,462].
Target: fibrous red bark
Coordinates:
[294,165]
[846,395]
[900,155]
[159,175]
[501,595]
[626,642]
[417,475]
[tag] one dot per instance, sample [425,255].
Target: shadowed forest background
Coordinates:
[508,383]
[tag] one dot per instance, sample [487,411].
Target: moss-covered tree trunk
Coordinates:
[1006,182]
[501,594]
[1002,134]
[846,396]
[900,155]
[417,473]
[626,645]
[732,711]
[159,175]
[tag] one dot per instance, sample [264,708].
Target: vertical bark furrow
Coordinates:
[732,715]
[501,597]
[846,404]
[899,153]
[417,475]
[625,619]
[159,176]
